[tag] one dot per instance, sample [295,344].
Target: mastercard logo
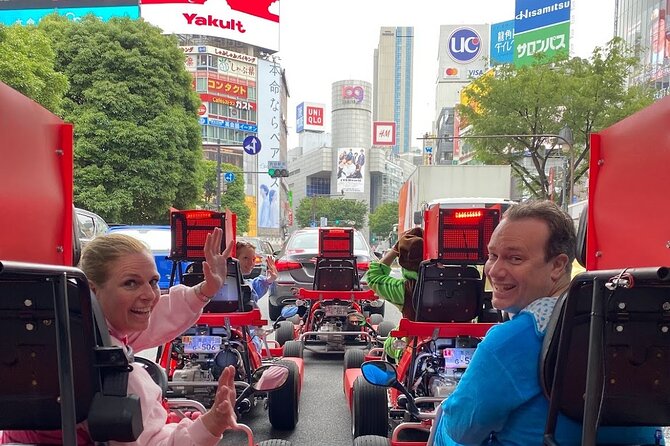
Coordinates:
[451,72]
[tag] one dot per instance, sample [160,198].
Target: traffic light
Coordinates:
[277,173]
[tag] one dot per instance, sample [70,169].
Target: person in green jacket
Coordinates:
[409,251]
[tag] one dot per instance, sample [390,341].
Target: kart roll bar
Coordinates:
[253,317]
[443,330]
[342,295]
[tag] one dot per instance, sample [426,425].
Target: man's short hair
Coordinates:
[562,237]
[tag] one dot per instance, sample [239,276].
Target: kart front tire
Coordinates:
[283,403]
[284,333]
[369,412]
[371,440]
[353,358]
[293,349]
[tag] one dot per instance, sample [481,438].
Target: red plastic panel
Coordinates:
[445,330]
[628,214]
[36,200]
[252,317]
[336,242]
[190,229]
[330,295]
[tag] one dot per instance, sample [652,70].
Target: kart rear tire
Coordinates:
[275,443]
[293,349]
[284,333]
[284,403]
[384,328]
[353,358]
[369,412]
[371,440]
[376,319]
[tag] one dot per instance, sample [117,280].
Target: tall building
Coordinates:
[645,26]
[393,76]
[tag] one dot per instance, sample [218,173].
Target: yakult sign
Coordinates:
[252,22]
[310,117]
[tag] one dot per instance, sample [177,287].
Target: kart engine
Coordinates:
[441,364]
[332,318]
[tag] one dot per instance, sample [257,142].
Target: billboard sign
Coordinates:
[534,14]
[353,93]
[252,22]
[548,40]
[33,16]
[464,45]
[462,52]
[351,170]
[501,50]
[540,26]
[269,122]
[383,133]
[300,118]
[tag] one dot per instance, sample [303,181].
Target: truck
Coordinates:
[428,184]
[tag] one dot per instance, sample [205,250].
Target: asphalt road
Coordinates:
[324,415]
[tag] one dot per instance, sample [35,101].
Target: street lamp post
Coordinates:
[565,135]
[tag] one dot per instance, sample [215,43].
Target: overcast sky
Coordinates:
[323,41]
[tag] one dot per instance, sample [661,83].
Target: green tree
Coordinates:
[27,65]
[338,211]
[137,137]
[383,219]
[541,99]
[231,198]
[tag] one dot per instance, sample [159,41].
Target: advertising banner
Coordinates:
[252,22]
[502,43]
[463,52]
[33,16]
[351,170]
[310,116]
[300,118]
[540,26]
[242,105]
[549,40]
[269,122]
[383,133]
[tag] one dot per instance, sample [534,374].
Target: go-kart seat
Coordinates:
[622,379]
[51,340]
[447,293]
[336,274]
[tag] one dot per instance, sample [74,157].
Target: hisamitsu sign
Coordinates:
[534,14]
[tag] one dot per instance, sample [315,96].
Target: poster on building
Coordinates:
[351,170]
[269,127]
[501,50]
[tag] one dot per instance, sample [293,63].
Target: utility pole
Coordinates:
[218,174]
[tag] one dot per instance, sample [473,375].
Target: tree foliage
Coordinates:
[335,209]
[383,219]
[585,95]
[27,65]
[137,138]
[232,197]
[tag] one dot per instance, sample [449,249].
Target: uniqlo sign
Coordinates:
[383,133]
[314,116]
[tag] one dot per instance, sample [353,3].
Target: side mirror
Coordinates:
[380,373]
[269,377]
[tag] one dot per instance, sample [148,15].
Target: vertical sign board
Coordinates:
[269,128]
[300,118]
[540,26]
[501,50]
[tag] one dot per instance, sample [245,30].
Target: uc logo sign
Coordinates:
[357,93]
[464,45]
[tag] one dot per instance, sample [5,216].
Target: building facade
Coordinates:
[393,77]
[645,26]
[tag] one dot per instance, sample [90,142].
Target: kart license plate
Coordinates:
[457,358]
[201,344]
[336,310]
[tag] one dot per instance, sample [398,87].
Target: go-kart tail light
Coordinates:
[336,242]
[363,265]
[286,265]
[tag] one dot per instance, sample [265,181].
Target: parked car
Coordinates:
[159,239]
[263,250]
[296,261]
[89,225]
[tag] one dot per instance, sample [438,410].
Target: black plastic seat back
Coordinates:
[336,274]
[447,293]
[632,357]
[36,394]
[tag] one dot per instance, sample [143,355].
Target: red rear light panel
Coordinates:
[189,232]
[460,235]
[283,265]
[336,242]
